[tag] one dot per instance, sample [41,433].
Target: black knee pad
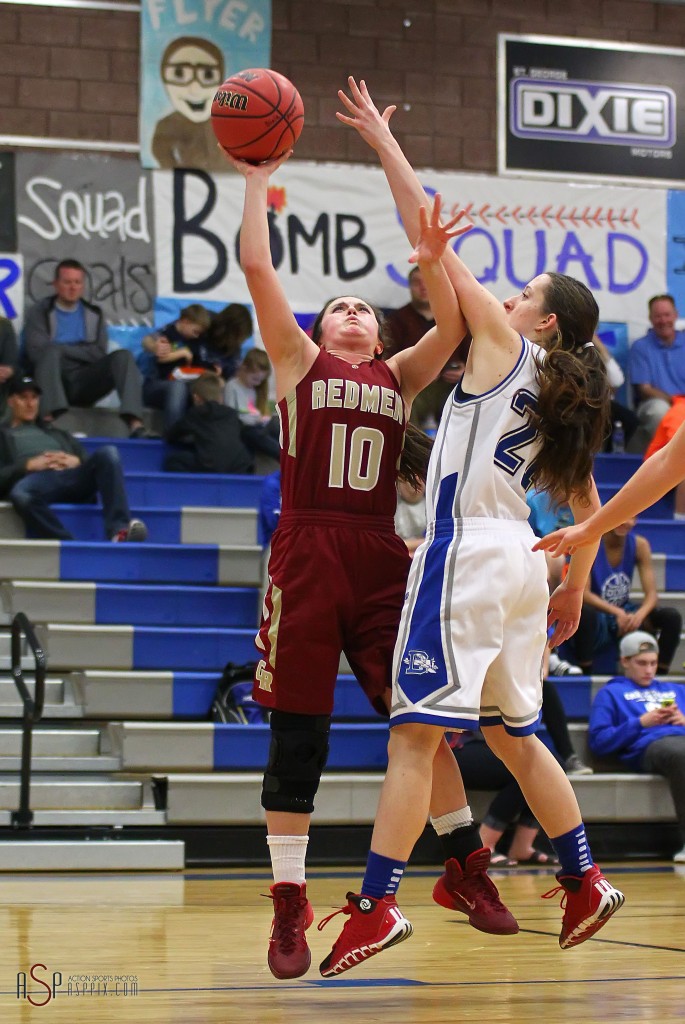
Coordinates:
[298,755]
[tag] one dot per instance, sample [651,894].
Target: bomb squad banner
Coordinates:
[584,108]
[334,230]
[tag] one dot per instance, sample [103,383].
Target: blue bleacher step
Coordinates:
[76,647]
[137,456]
[196,489]
[611,468]
[134,604]
[239,565]
[666,536]
[661,509]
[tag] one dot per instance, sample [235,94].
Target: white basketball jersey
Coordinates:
[484,448]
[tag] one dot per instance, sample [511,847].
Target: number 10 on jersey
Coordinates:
[362,468]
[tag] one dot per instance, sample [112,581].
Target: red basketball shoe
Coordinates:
[470,891]
[373,925]
[289,955]
[587,902]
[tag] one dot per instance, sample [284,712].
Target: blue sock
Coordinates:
[383,875]
[573,852]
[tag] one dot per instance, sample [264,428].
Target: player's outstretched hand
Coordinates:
[567,540]
[373,126]
[434,236]
[266,168]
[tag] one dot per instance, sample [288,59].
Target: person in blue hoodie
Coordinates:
[639,718]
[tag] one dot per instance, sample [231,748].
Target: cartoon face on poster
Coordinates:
[188,48]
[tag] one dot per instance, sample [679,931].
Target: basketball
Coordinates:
[257,115]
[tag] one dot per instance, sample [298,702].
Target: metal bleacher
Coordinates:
[136,637]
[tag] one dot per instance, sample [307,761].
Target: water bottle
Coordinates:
[618,439]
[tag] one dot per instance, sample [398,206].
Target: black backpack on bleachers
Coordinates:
[233,700]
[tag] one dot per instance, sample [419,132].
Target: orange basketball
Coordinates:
[257,115]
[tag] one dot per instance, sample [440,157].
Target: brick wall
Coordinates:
[67,73]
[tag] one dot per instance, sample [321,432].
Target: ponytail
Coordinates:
[415,455]
[572,419]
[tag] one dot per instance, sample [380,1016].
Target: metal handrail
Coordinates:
[33,711]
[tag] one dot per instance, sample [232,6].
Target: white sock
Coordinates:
[680,516]
[287,857]
[447,823]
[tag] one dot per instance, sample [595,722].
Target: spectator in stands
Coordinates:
[640,719]
[247,393]
[657,368]
[219,347]
[620,414]
[409,323]
[170,362]
[483,770]
[608,613]
[9,359]
[406,325]
[410,515]
[41,465]
[211,433]
[66,346]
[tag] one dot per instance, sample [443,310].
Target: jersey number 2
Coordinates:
[506,452]
[364,465]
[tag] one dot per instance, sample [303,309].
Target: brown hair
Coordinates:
[229,328]
[660,298]
[209,387]
[196,314]
[257,359]
[573,407]
[202,44]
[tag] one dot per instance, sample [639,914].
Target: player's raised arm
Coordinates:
[482,311]
[288,347]
[655,477]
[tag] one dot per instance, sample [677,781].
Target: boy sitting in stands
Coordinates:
[211,433]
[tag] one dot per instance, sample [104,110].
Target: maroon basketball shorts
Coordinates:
[336,584]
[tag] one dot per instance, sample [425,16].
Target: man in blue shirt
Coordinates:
[66,344]
[639,718]
[657,369]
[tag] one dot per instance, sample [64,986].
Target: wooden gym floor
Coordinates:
[195,943]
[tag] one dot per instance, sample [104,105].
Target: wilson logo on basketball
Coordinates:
[233,100]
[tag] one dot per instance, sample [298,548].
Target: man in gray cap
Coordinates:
[640,719]
[41,465]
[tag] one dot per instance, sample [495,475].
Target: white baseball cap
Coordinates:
[637,643]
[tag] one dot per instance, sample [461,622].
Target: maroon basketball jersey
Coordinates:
[342,436]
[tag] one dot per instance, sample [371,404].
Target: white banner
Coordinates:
[335,230]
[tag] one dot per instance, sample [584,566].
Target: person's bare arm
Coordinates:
[481,310]
[290,350]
